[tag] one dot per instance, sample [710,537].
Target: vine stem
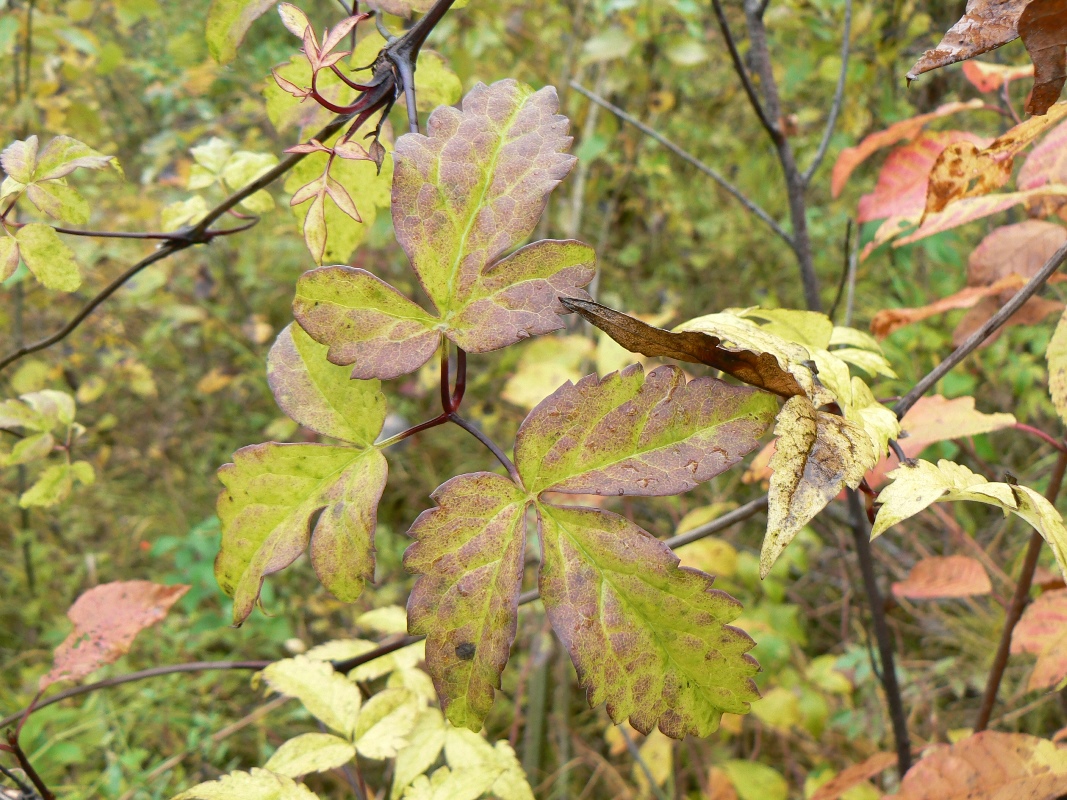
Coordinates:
[1018,603]
[861,534]
[725,521]
[16,750]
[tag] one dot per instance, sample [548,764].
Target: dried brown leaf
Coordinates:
[1043,28]
[944,576]
[984,26]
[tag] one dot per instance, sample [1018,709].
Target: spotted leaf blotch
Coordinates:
[279,498]
[464,196]
[468,553]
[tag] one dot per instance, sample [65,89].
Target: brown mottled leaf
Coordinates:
[468,553]
[761,370]
[1042,630]
[817,455]
[278,498]
[1021,248]
[963,170]
[944,576]
[106,619]
[646,636]
[854,775]
[1043,28]
[902,183]
[629,433]
[985,26]
[988,766]
[905,130]
[463,196]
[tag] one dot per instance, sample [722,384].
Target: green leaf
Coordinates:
[424,745]
[241,169]
[268,511]
[63,155]
[629,433]
[1056,354]
[310,752]
[468,553]
[327,695]
[83,472]
[29,448]
[227,23]
[384,723]
[918,486]
[259,784]
[469,754]
[647,636]
[817,454]
[320,395]
[463,196]
[45,255]
[213,154]
[808,328]
[59,201]
[365,321]
[755,781]
[52,487]
[183,212]
[53,408]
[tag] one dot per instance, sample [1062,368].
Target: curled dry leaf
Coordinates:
[984,26]
[988,766]
[761,370]
[1043,632]
[942,577]
[1043,28]
[106,619]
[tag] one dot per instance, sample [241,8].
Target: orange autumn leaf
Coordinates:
[106,619]
[986,77]
[905,130]
[943,577]
[854,776]
[1042,631]
[988,766]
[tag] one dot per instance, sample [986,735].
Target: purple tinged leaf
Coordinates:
[311,146]
[19,159]
[639,435]
[468,553]
[320,395]
[315,226]
[278,497]
[333,37]
[352,150]
[366,322]
[295,20]
[311,47]
[646,636]
[327,61]
[294,90]
[63,155]
[340,196]
[307,191]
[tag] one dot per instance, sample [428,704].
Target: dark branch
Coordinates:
[991,325]
[742,72]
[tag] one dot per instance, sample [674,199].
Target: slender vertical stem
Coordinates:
[862,536]
[1018,603]
[27,767]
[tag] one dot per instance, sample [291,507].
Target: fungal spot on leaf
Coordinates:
[465,651]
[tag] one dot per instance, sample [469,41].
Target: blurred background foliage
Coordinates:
[169,378]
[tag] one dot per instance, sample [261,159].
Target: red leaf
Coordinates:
[990,77]
[948,576]
[106,619]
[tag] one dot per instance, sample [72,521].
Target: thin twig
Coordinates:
[1022,427]
[16,749]
[1018,602]
[861,534]
[988,329]
[474,431]
[688,157]
[742,73]
[21,785]
[839,97]
[636,754]
[347,665]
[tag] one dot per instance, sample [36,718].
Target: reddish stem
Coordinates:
[1040,434]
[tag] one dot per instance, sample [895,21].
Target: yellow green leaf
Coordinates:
[424,745]
[1057,367]
[259,784]
[384,723]
[227,23]
[51,487]
[327,695]
[310,752]
[48,258]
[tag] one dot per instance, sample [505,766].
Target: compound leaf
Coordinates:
[629,433]
[647,637]
[278,497]
[922,484]
[468,553]
[310,752]
[259,784]
[817,455]
[325,693]
[48,258]
[320,395]
[424,745]
[384,722]
[59,201]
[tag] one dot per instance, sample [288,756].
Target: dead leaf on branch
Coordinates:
[1043,632]
[984,26]
[940,577]
[854,775]
[1043,28]
[761,370]
[106,619]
